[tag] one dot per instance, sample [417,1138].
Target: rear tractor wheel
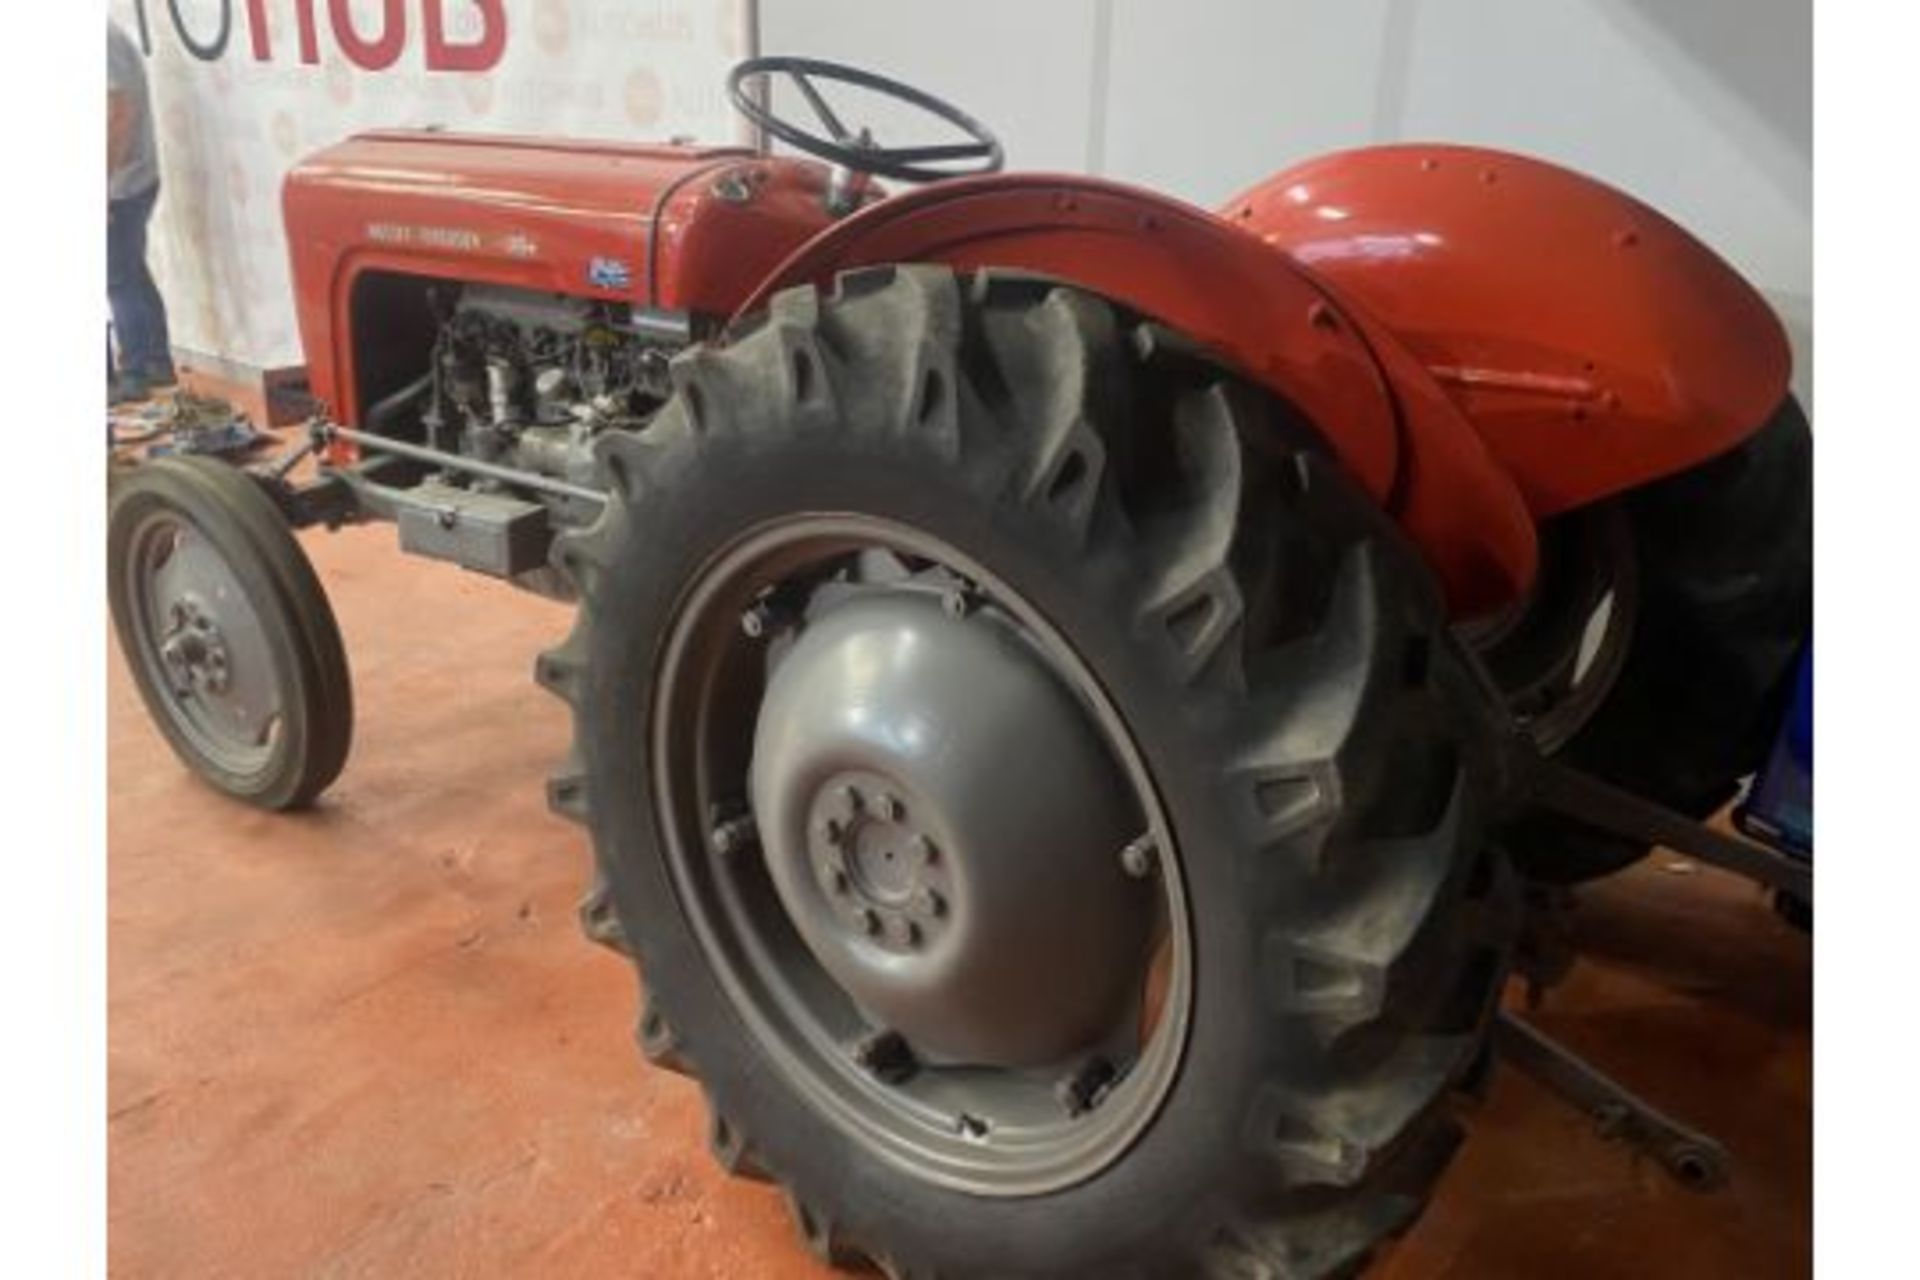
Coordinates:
[1658,646]
[1039,789]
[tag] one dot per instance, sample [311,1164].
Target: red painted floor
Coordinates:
[368,1041]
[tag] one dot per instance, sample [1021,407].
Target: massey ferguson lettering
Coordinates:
[205,28]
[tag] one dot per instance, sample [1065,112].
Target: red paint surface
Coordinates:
[534,214]
[368,1040]
[1593,343]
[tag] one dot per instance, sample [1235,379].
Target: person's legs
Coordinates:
[139,313]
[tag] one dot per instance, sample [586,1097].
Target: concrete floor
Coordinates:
[368,1041]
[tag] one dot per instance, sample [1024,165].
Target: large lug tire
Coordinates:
[1324,758]
[1708,578]
[227,632]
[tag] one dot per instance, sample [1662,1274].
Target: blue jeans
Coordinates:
[139,314]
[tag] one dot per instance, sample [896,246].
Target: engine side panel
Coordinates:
[1262,312]
[1593,343]
[679,228]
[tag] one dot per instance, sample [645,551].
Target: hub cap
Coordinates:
[943,824]
[921,853]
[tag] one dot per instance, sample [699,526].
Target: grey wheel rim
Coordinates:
[977,1107]
[203,646]
[1570,672]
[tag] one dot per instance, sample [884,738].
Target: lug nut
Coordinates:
[923,850]
[955,602]
[928,902]
[887,806]
[832,830]
[903,931]
[1139,858]
[761,620]
[734,834]
[869,921]
[1086,1088]
[887,1055]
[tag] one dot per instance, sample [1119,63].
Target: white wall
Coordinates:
[1700,107]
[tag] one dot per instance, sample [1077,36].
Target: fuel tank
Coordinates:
[673,227]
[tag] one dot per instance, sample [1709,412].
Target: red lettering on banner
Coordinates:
[482,55]
[257,28]
[309,37]
[370,55]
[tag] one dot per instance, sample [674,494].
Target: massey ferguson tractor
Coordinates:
[1076,698]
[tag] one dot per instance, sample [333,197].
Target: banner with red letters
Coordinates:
[242,89]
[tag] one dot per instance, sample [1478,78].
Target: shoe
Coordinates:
[127,388]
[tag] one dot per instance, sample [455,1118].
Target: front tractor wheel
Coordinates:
[1039,788]
[227,632]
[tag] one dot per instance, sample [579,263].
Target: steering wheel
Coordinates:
[856,150]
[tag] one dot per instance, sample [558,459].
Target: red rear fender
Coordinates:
[1593,344]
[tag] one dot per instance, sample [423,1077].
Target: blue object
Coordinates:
[139,314]
[609,273]
[1778,809]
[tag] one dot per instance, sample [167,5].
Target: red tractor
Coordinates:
[1070,690]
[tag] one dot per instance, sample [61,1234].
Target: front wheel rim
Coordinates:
[994,1131]
[202,645]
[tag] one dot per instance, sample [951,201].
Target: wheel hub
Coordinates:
[880,871]
[193,648]
[943,824]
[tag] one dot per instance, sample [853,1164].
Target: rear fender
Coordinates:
[1593,343]
[1382,414]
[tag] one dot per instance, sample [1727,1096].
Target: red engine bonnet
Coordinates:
[657,225]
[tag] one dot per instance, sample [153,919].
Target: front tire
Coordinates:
[1253,635]
[228,634]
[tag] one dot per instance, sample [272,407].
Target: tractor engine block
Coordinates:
[528,380]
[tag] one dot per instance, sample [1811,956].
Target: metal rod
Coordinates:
[287,461]
[473,466]
[1581,795]
[1694,1160]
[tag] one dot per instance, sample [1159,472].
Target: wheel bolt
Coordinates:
[832,830]
[955,602]
[869,921]
[756,622]
[887,1055]
[1139,858]
[923,850]
[888,807]
[928,902]
[1087,1087]
[734,834]
[903,931]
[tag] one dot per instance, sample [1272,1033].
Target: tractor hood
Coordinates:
[671,227]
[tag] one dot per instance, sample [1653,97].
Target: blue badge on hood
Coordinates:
[609,273]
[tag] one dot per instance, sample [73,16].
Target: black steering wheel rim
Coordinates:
[906,164]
